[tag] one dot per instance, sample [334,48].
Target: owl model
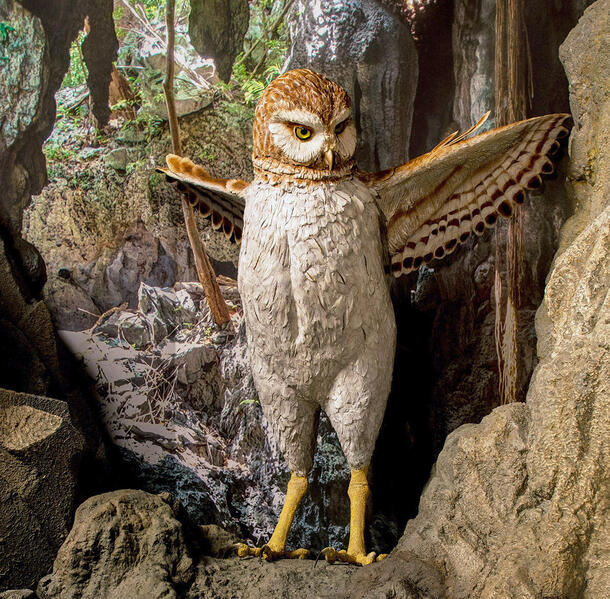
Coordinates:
[317,237]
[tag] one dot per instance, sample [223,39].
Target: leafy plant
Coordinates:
[5,29]
[266,45]
[77,72]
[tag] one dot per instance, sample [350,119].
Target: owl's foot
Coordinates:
[331,555]
[269,553]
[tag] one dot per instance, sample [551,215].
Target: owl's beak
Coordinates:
[329,158]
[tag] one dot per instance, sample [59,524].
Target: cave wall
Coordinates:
[446,365]
[55,453]
[517,505]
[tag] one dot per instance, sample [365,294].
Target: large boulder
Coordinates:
[370,52]
[126,543]
[40,455]
[517,505]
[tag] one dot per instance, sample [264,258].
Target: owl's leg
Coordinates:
[355,408]
[358,492]
[276,547]
[295,422]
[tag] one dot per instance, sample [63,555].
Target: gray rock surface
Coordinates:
[40,452]
[18,594]
[178,400]
[368,51]
[251,579]
[517,505]
[217,28]
[53,451]
[124,544]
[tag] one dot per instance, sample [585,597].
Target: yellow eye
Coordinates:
[340,128]
[302,133]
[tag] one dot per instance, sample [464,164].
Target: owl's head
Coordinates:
[303,127]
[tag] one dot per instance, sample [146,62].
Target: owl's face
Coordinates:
[303,124]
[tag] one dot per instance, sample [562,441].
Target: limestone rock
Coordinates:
[40,452]
[517,505]
[126,543]
[18,594]
[251,579]
[368,51]
[217,29]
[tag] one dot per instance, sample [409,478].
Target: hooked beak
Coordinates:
[329,158]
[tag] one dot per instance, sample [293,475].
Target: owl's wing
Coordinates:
[219,199]
[437,200]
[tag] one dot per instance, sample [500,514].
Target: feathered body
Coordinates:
[319,319]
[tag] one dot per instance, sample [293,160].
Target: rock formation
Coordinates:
[370,53]
[31,357]
[40,458]
[517,505]
[217,28]
[123,544]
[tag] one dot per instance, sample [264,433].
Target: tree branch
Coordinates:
[206,274]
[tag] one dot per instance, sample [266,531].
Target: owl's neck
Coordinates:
[275,171]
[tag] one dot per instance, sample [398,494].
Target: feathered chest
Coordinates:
[317,233]
[311,261]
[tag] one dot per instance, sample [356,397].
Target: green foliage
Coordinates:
[265,49]
[247,402]
[77,72]
[5,30]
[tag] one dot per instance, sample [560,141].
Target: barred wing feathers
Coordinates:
[436,201]
[220,200]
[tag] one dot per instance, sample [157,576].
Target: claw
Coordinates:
[331,555]
[267,553]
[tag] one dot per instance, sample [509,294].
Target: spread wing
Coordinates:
[220,200]
[436,201]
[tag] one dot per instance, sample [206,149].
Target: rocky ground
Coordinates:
[516,506]
[177,398]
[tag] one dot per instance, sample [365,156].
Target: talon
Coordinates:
[329,554]
[381,557]
[244,550]
[266,553]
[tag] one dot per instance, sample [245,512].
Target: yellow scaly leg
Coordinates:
[358,492]
[276,547]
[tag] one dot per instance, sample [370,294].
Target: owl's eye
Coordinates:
[302,133]
[340,127]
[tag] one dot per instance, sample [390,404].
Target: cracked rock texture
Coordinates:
[517,506]
[370,52]
[124,544]
[40,454]
[54,453]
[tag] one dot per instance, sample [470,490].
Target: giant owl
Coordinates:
[318,238]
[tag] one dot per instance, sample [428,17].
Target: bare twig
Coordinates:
[195,77]
[206,274]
